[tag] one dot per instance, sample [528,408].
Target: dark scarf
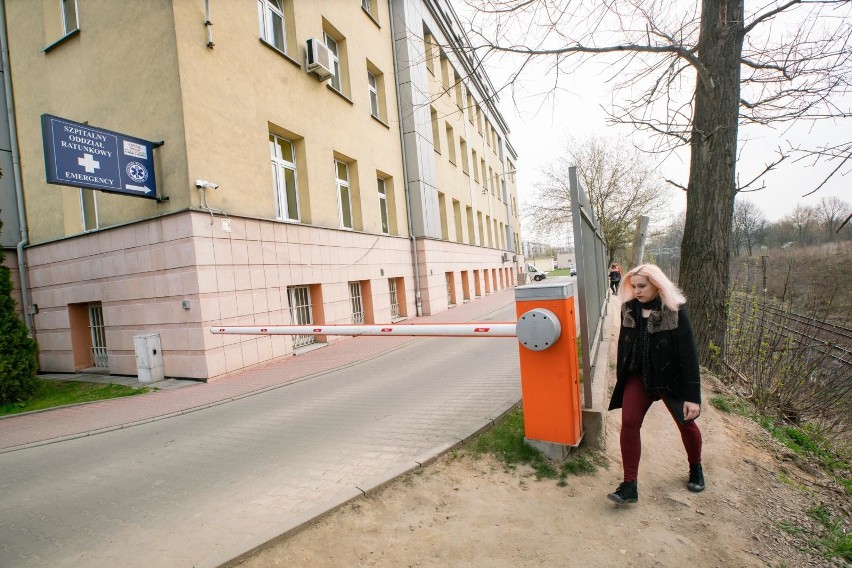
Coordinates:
[640,354]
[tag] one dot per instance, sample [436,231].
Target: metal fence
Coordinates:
[592,280]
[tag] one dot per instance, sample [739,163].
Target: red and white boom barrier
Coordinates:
[489,329]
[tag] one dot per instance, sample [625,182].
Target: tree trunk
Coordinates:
[712,174]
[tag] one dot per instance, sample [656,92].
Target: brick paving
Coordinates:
[296,438]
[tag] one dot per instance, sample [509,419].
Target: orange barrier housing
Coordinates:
[550,379]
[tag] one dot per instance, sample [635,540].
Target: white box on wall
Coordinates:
[149,357]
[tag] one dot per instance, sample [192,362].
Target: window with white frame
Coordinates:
[383,204]
[69,16]
[344,193]
[301,312]
[284,181]
[374,94]
[356,303]
[332,46]
[272,28]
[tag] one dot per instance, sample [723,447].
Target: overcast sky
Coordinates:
[540,127]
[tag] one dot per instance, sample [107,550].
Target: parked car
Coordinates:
[573,270]
[536,274]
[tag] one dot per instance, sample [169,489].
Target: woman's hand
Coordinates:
[691,410]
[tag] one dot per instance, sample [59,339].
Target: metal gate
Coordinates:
[96,328]
[299,298]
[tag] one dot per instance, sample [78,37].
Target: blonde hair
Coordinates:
[671,296]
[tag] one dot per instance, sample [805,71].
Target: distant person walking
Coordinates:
[614,278]
[657,360]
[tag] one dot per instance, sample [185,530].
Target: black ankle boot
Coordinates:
[696,478]
[627,492]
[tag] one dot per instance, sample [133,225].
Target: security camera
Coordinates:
[204,184]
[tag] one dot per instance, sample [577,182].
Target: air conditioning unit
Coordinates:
[319,59]
[505,257]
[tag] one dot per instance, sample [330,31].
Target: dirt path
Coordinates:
[465,512]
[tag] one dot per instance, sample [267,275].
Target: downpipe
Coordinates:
[16,168]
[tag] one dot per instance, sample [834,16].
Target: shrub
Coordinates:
[18,361]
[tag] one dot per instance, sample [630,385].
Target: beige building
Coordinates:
[334,202]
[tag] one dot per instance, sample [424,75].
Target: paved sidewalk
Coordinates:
[64,423]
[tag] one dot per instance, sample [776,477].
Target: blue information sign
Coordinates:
[83,156]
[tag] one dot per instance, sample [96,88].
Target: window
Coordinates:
[436,139]
[97,328]
[471,233]
[89,209]
[356,304]
[475,169]
[383,205]
[442,205]
[344,191]
[445,73]
[459,89]
[332,46]
[451,289]
[374,94]
[451,145]
[464,159]
[394,298]
[69,16]
[272,29]
[376,91]
[457,218]
[301,313]
[429,48]
[284,185]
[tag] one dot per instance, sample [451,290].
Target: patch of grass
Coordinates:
[791,528]
[836,543]
[787,480]
[559,272]
[732,405]
[506,442]
[51,393]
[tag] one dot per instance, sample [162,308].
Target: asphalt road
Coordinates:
[200,489]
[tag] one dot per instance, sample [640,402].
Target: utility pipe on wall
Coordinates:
[16,168]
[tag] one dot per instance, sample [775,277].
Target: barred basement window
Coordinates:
[98,331]
[355,303]
[394,298]
[299,298]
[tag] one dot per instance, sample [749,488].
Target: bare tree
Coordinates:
[803,219]
[692,76]
[621,184]
[748,225]
[831,211]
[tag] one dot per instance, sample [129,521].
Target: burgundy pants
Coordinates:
[635,406]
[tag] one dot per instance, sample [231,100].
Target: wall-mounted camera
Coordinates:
[204,184]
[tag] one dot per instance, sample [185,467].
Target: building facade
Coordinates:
[382,191]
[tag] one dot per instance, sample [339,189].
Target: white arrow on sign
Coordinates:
[138,188]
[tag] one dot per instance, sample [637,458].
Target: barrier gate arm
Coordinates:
[481,329]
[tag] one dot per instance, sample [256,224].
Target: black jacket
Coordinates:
[674,360]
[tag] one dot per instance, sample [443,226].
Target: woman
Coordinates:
[656,360]
[614,277]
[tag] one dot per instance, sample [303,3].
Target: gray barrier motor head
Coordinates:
[538,329]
